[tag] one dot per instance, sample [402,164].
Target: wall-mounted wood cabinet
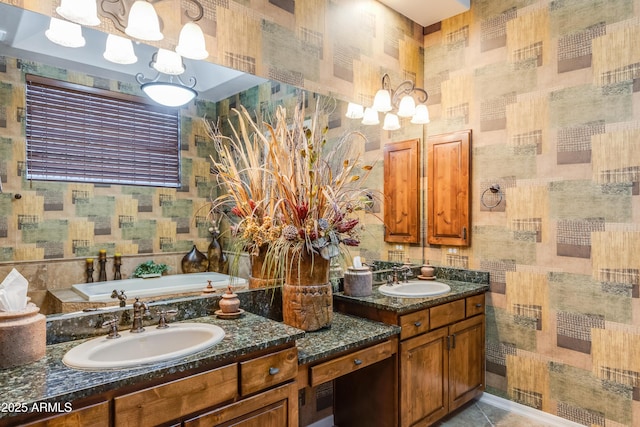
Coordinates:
[448,199]
[401,197]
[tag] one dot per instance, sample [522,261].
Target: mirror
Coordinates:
[53,227]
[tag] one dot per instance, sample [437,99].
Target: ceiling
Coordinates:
[22,35]
[428,12]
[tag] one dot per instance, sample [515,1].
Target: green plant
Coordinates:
[150,267]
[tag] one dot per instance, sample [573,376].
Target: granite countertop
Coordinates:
[459,289]
[49,380]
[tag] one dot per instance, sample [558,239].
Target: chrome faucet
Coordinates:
[140,309]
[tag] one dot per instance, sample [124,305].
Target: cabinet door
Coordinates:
[466,361]
[424,367]
[448,189]
[274,408]
[401,201]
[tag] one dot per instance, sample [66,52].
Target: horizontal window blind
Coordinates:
[83,134]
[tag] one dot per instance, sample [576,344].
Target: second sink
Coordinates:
[415,289]
[151,346]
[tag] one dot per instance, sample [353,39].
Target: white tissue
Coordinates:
[13,292]
[356,262]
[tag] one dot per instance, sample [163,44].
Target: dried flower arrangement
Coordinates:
[289,191]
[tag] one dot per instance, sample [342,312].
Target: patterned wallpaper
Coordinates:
[551,90]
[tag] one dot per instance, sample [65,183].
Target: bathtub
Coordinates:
[163,285]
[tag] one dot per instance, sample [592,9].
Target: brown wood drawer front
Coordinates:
[92,416]
[414,324]
[475,305]
[266,371]
[444,314]
[343,365]
[157,405]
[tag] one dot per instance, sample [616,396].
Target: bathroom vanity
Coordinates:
[392,362]
[440,348]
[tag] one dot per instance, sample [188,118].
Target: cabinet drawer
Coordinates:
[444,314]
[475,305]
[92,416]
[414,324]
[343,365]
[163,403]
[267,371]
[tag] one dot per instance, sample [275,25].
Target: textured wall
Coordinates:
[551,90]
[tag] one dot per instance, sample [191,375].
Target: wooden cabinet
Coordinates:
[440,357]
[448,195]
[401,197]
[90,416]
[273,408]
[444,368]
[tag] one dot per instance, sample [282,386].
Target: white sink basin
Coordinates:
[415,289]
[151,346]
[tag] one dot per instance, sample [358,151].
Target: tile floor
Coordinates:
[480,414]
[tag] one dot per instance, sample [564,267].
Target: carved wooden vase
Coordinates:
[307,299]
[263,275]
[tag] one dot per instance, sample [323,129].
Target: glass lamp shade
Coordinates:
[421,117]
[370,117]
[143,22]
[168,93]
[168,62]
[355,111]
[191,42]
[83,12]
[407,107]
[65,33]
[119,50]
[391,122]
[382,101]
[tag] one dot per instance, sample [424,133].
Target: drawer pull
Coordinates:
[357,362]
[418,324]
[478,305]
[273,371]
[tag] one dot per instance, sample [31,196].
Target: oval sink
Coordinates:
[415,289]
[151,346]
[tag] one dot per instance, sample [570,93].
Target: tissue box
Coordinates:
[23,336]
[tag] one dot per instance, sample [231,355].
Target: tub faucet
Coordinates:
[140,309]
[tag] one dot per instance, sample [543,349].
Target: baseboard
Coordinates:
[526,411]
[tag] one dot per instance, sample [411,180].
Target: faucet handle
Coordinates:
[112,324]
[162,322]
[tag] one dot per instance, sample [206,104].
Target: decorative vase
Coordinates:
[427,271]
[229,303]
[262,276]
[194,262]
[217,258]
[307,297]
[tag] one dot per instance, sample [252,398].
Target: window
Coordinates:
[83,134]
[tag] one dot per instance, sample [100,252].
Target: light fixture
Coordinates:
[403,99]
[139,19]
[191,42]
[143,22]
[119,50]
[83,12]
[173,92]
[354,111]
[65,33]
[370,117]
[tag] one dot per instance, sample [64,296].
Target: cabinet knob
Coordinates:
[418,324]
[478,305]
[273,371]
[357,362]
